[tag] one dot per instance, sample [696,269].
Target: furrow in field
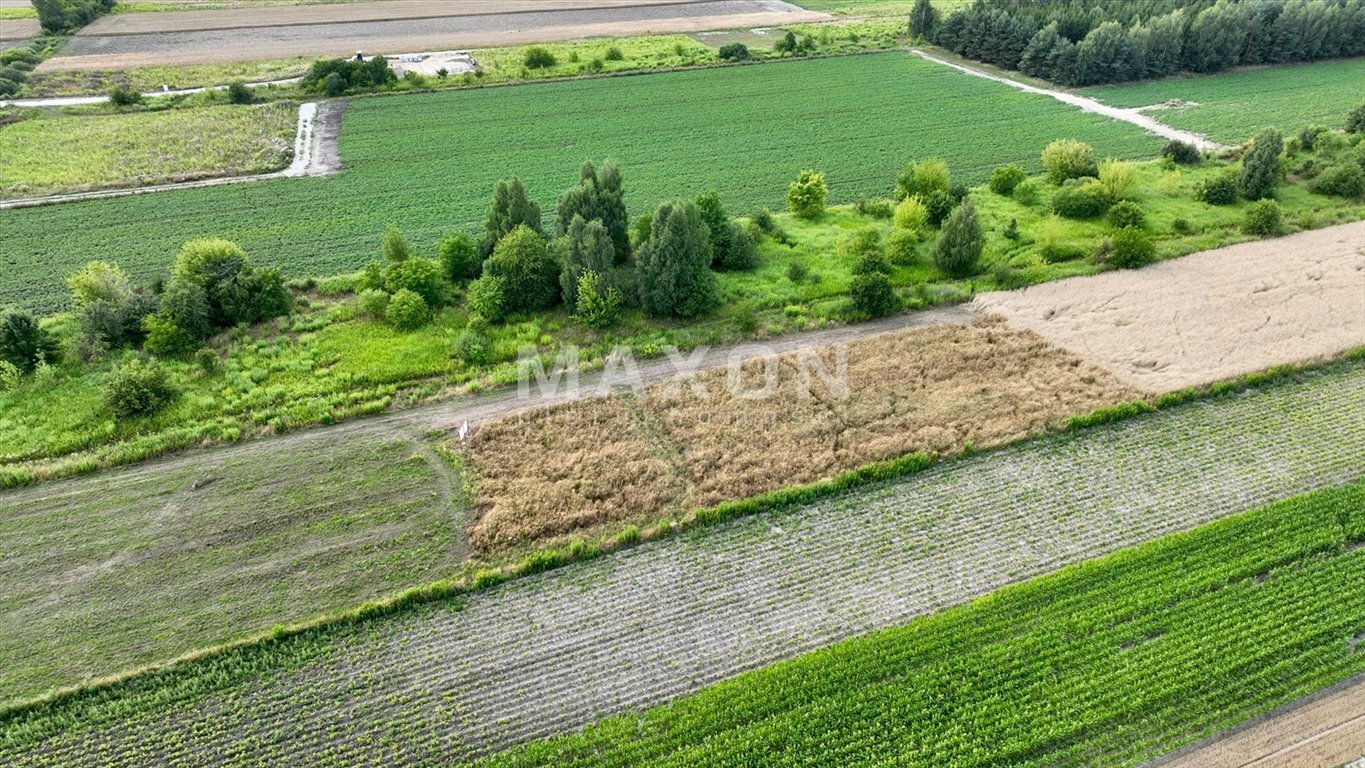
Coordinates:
[549,653]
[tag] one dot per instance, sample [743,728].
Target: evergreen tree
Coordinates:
[587,248]
[1261,166]
[23,343]
[922,19]
[960,243]
[674,265]
[510,208]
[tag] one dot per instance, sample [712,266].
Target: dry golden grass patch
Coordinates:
[772,423]
[560,469]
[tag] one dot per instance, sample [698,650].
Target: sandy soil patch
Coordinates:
[1209,316]
[385,10]
[732,433]
[121,51]
[1321,731]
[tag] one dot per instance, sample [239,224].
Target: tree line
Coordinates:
[1081,42]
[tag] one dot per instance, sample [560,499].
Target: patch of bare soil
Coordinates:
[1321,731]
[1209,316]
[768,423]
[14,30]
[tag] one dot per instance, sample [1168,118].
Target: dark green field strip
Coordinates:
[551,653]
[1108,662]
[1234,106]
[427,163]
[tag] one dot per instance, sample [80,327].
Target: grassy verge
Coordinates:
[1116,660]
[129,568]
[267,650]
[75,153]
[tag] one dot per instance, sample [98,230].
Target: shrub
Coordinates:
[743,252]
[23,343]
[1005,178]
[1068,159]
[1263,218]
[871,262]
[1182,152]
[922,178]
[182,322]
[762,218]
[1345,180]
[1127,213]
[1219,190]
[873,295]
[529,274]
[806,196]
[408,311]
[336,76]
[675,279]
[395,246]
[613,54]
[911,215]
[1261,166]
[9,376]
[877,208]
[902,247]
[1119,178]
[372,276]
[786,44]
[1355,121]
[1026,193]
[137,387]
[239,93]
[122,96]
[1132,247]
[1012,231]
[797,272]
[959,245]
[734,52]
[374,303]
[485,299]
[472,346]
[598,304]
[98,281]
[421,276]
[1181,226]
[459,258]
[1081,201]
[538,57]
[938,205]
[207,361]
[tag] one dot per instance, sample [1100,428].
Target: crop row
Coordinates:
[548,654]
[427,163]
[1110,662]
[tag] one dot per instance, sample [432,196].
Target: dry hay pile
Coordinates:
[771,423]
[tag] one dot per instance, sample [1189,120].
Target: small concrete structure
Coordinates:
[429,63]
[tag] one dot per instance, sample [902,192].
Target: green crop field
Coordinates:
[1235,106]
[135,567]
[65,154]
[427,163]
[1111,662]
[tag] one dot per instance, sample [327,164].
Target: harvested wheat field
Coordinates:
[1210,316]
[772,422]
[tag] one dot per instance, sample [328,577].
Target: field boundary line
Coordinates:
[481,578]
[1134,116]
[306,149]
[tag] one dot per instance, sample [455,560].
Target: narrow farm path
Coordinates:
[79,101]
[1086,104]
[550,653]
[1324,729]
[315,154]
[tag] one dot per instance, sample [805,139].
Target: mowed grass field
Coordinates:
[106,574]
[1234,106]
[427,163]
[67,154]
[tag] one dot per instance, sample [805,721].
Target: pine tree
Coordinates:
[1261,166]
[509,209]
[959,245]
[587,248]
[674,266]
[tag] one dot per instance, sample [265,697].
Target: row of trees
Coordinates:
[58,16]
[1087,43]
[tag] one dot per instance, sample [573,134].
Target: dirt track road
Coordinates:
[1324,730]
[117,50]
